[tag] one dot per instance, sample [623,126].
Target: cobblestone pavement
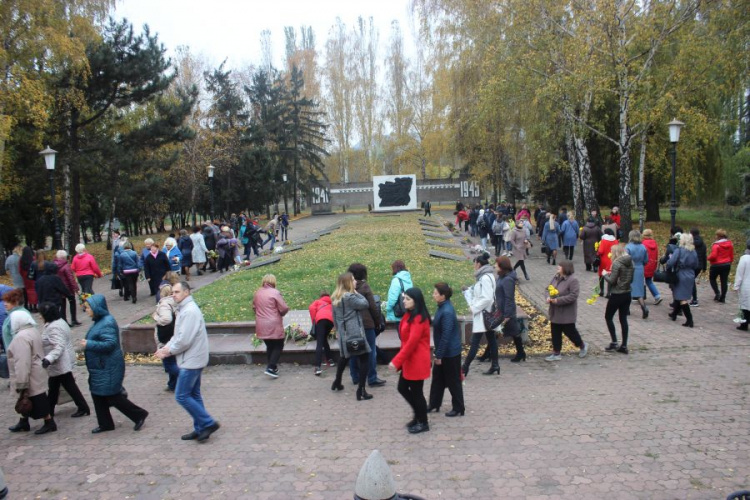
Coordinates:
[669,421]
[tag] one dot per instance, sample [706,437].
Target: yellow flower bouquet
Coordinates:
[553,292]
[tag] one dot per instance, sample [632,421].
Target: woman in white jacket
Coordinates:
[742,285]
[480,297]
[59,358]
[199,249]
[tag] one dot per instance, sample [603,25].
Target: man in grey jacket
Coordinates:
[190,345]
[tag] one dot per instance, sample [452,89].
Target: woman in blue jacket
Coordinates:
[550,239]
[128,267]
[106,367]
[569,229]
[446,367]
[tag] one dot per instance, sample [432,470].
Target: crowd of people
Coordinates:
[40,361]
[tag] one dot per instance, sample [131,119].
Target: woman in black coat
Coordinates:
[155,266]
[505,300]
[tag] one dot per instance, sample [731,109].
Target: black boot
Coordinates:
[746,317]
[362,394]
[688,315]
[493,369]
[21,426]
[49,426]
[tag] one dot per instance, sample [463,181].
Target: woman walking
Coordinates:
[155,267]
[721,258]
[684,261]
[321,315]
[569,230]
[563,311]
[185,245]
[619,280]
[347,307]
[13,266]
[59,359]
[27,376]
[106,366]
[639,255]
[66,275]
[480,297]
[550,238]
[199,251]
[270,310]
[652,250]
[165,317]
[742,286]
[28,273]
[505,302]
[413,359]
[129,266]
[520,241]
[446,368]
[174,256]
[604,253]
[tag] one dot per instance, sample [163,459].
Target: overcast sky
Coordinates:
[231,28]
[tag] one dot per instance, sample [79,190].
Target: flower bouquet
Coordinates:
[82,297]
[594,296]
[596,246]
[296,334]
[212,254]
[553,292]
[256,341]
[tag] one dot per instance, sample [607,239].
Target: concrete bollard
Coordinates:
[375,481]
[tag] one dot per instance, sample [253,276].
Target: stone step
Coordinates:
[443,244]
[449,256]
[433,234]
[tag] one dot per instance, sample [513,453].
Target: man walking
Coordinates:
[190,345]
[428,208]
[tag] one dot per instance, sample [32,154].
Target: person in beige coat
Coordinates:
[59,358]
[27,376]
[520,242]
[165,317]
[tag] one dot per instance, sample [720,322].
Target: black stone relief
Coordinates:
[395,193]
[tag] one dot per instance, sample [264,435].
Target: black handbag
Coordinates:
[492,318]
[166,332]
[398,308]
[357,344]
[664,275]
[4,372]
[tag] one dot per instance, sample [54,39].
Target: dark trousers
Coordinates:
[69,382]
[568,251]
[522,264]
[130,284]
[570,331]
[72,304]
[620,303]
[225,262]
[119,401]
[372,373]
[720,271]
[413,393]
[491,347]
[173,371]
[153,285]
[447,374]
[322,329]
[273,352]
[364,368]
[87,283]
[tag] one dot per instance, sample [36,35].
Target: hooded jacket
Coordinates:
[104,358]
[25,355]
[58,349]
[49,287]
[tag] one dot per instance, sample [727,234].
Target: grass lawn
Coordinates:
[373,241]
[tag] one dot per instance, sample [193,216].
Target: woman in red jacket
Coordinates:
[652,249]
[413,360]
[603,252]
[321,314]
[721,258]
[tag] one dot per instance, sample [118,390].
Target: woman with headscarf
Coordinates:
[348,305]
[27,376]
[65,273]
[684,261]
[639,254]
[59,359]
[480,297]
[413,359]
[13,302]
[28,272]
[742,286]
[106,366]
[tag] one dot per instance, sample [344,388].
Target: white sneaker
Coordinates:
[553,357]
[584,350]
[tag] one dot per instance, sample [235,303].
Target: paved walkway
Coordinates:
[669,421]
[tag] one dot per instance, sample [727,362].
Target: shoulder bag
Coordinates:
[355,342]
[398,308]
[493,317]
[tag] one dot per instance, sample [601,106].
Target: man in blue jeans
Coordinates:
[371,322]
[190,346]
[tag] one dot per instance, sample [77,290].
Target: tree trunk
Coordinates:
[574,175]
[652,201]
[642,179]
[66,234]
[588,193]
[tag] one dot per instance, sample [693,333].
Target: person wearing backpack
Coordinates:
[484,228]
[401,281]
[498,234]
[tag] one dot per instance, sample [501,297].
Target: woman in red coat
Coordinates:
[413,360]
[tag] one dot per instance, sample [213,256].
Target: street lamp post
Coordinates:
[211,170]
[674,137]
[49,162]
